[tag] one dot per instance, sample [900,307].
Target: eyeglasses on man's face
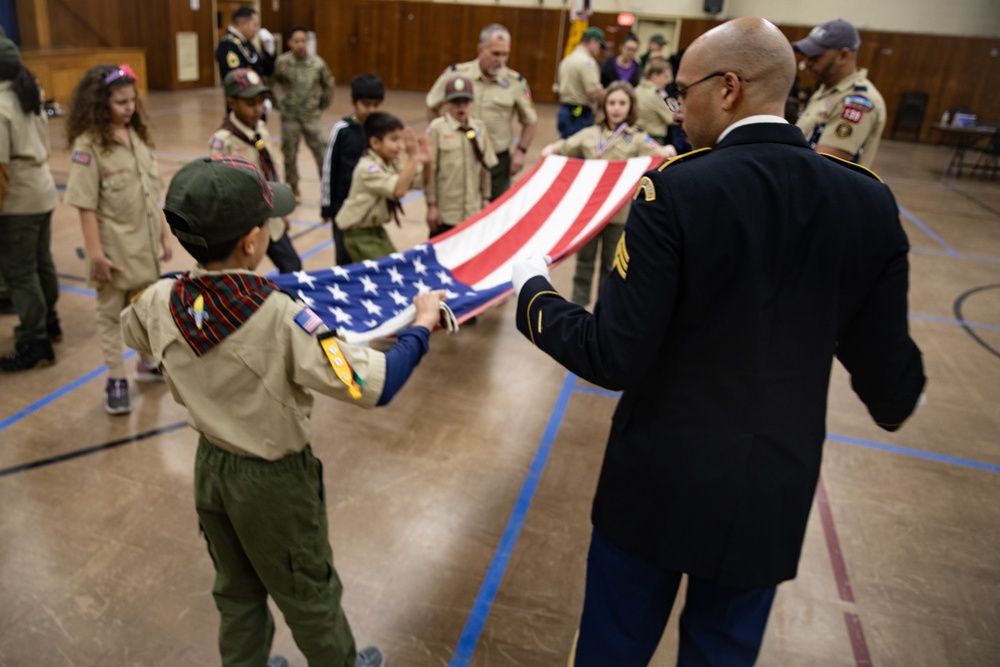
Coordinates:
[674,103]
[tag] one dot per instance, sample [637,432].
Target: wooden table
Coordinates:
[963,138]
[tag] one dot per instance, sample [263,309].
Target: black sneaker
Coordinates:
[116,397]
[27,355]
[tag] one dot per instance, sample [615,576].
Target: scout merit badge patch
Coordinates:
[207,309]
[339,364]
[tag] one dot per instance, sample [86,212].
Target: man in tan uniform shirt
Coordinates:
[500,95]
[580,84]
[457,179]
[846,115]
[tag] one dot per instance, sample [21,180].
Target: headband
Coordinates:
[122,71]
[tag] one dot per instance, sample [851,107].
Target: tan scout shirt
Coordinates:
[652,114]
[225,142]
[457,183]
[373,185]
[24,147]
[630,143]
[849,116]
[251,393]
[124,188]
[303,87]
[497,101]
[579,74]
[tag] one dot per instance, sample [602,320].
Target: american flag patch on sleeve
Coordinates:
[79,157]
[308,320]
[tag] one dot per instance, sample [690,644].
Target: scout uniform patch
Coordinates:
[207,309]
[339,364]
[80,157]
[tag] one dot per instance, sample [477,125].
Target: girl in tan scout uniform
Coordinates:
[116,185]
[612,137]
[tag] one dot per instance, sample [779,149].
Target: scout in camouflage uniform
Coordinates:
[244,134]
[244,359]
[457,180]
[846,115]
[116,185]
[500,95]
[304,88]
[613,137]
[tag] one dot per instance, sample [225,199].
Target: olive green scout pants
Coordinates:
[367,243]
[265,524]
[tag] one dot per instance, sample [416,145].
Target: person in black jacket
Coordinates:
[343,150]
[236,49]
[744,268]
[625,66]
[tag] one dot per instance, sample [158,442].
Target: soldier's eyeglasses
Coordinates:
[674,103]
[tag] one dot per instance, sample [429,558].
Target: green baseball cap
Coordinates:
[221,198]
[594,33]
[244,82]
[9,53]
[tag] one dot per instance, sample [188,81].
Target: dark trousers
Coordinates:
[282,254]
[572,119]
[266,529]
[500,175]
[340,254]
[27,269]
[628,601]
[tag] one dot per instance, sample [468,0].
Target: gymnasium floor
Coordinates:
[460,514]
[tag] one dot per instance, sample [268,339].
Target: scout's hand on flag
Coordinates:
[428,305]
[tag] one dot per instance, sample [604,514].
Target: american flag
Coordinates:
[555,209]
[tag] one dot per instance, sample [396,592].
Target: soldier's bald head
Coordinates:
[754,49]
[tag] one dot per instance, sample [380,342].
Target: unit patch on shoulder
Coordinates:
[232,60]
[843,130]
[646,188]
[621,257]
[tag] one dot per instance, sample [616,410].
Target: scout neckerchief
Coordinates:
[266,163]
[471,134]
[602,146]
[208,308]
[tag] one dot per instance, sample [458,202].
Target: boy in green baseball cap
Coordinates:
[242,356]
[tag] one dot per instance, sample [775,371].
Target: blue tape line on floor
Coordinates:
[491,583]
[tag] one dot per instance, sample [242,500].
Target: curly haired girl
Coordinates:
[116,185]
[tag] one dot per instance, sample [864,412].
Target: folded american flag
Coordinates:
[555,209]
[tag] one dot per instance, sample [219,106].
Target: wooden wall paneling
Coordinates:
[290,13]
[33,21]
[183,19]
[161,53]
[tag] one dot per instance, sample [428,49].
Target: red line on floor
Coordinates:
[858,643]
[854,630]
[833,544]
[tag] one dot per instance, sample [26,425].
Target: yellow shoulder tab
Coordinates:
[683,157]
[856,167]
